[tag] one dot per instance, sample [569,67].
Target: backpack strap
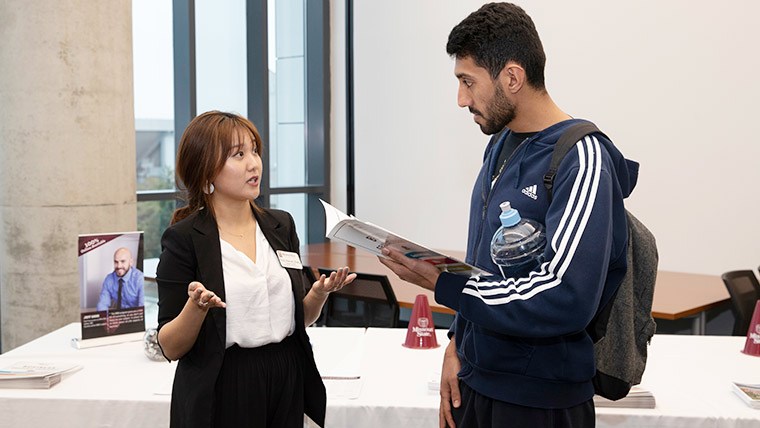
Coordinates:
[564,144]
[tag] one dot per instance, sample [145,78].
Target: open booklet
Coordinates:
[369,237]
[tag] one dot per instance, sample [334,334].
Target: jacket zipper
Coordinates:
[487,199]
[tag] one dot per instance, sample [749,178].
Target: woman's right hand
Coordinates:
[204,298]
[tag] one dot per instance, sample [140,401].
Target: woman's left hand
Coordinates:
[336,281]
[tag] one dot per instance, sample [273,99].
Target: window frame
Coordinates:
[317,114]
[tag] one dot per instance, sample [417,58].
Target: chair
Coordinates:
[744,290]
[369,301]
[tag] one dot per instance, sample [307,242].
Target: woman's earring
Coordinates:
[208,188]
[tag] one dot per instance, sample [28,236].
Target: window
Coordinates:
[293,85]
[220,59]
[154,118]
[263,59]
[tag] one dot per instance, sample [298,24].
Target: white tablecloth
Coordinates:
[116,387]
[394,391]
[119,387]
[689,376]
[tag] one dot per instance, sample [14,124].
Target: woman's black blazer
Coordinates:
[191,252]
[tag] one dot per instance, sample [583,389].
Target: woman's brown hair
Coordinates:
[205,145]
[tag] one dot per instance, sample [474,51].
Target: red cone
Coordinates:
[752,345]
[421,331]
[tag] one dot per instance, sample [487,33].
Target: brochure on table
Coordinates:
[339,362]
[638,398]
[112,296]
[24,374]
[749,393]
[369,237]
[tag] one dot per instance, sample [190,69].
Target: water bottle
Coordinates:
[518,245]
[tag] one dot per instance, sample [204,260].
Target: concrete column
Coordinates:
[67,151]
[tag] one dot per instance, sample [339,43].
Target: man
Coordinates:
[122,288]
[519,354]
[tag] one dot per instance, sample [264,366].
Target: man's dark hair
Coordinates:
[496,34]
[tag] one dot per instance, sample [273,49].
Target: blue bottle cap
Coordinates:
[509,216]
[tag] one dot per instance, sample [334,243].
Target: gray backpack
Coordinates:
[622,329]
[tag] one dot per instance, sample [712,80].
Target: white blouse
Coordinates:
[259,297]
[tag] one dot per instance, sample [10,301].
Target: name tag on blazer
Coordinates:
[289,259]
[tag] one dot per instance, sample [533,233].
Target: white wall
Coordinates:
[338,165]
[673,83]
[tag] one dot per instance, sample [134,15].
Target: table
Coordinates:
[680,295]
[333,255]
[119,387]
[676,295]
[689,376]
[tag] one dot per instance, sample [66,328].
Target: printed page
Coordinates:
[25,369]
[750,393]
[34,375]
[369,237]
[111,287]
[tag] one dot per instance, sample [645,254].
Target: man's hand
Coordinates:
[415,271]
[449,385]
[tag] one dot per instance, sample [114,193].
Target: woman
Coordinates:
[231,298]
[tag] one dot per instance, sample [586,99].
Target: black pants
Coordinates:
[261,387]
[479,411]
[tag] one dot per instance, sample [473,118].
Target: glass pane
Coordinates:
[151,303]
[287,95]
[220,56]
[153,61]
[288,27]
[290,90]
[155,154]
[295,204]
[288,159]
[153,218]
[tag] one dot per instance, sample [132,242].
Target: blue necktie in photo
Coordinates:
[121,287]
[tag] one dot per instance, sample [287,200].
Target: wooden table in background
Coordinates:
[688,295]
[333,255]
[676,295]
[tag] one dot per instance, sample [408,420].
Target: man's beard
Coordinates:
[500,112]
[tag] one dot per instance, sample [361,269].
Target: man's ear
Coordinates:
[512,77]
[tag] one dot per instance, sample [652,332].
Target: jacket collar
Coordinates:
[271,228]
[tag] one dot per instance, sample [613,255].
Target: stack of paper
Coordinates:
[34,375]
[638,397]
[434,380]
[750,393]
[339,361]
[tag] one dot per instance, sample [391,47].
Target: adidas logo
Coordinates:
[530,191]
